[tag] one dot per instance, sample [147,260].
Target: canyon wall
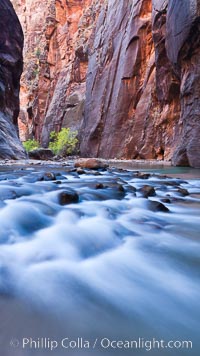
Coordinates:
[124,74]
[183,50]
[11,44]
[57,33]
[143,96]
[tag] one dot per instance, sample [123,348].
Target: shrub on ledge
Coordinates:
[30,145]
[63,142]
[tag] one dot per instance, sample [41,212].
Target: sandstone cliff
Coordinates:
[125,74]
[55,63]
[142,86]
[11,44]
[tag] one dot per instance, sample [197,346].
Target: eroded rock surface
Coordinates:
[143,94]
[56,61]
[183,49]
[11,44]
[124,74]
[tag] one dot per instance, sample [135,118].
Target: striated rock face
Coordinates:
[125,74]
[56,60]
[183,49]
[143,91]
[132,107]
[11,44]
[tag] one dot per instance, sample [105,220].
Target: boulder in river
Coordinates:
[90,163]
[147,191]
[99,186]
[183,192]
[166,200]
[68,197]
[157,206]
[142,175]
[80,170]
[41,153]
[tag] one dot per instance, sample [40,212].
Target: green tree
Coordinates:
[63,142]
[30,145]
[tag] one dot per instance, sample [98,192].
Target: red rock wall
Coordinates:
[56,61]
[125,74]
[142,97]
[133,106]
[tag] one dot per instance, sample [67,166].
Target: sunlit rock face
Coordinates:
[11,44]
[56,61]
[132,106]
[142,97]
[124,74]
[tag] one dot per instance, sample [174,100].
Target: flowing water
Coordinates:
[110,267]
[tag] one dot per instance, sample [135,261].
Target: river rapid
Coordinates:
[118,262]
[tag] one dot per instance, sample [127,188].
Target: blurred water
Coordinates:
[106,267]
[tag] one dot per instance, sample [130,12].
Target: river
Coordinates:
[91,276]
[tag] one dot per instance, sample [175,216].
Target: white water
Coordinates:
[108,268]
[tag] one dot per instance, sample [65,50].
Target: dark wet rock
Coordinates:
[142,175]
[121,188]
[68,197]
[80,171]
[41,153]
[147,191]
[129,188]
[70,170]
[100,186]
[48,176]
[161,176]
[117,170]
[171,183]
[95,173]
[90,163]
[58,182]
[183,192]
[102,191]
[166,200]
[118,187]
[157,206]
[115,186]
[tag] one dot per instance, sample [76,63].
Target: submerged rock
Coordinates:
[7,194]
